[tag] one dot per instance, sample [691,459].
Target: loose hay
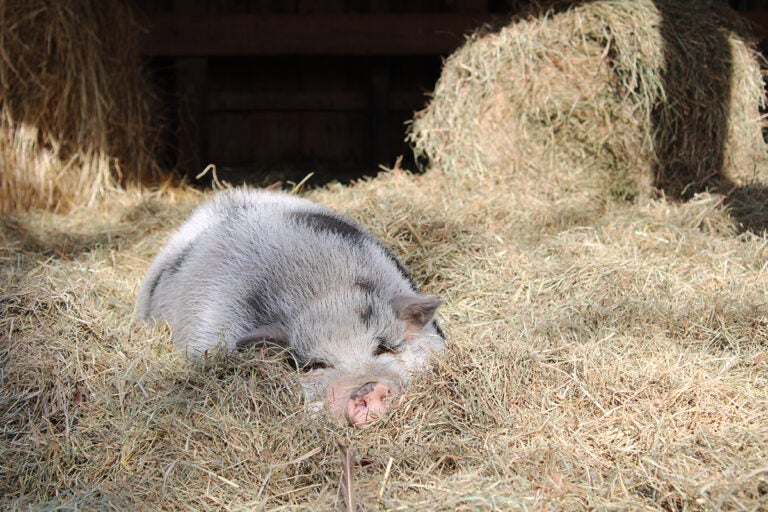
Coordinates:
[620,95]
[612,359]
[77,114]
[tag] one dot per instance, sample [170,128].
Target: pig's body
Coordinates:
[255,265]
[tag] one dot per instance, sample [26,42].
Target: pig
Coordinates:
[262,267]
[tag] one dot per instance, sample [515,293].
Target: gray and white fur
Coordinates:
[250,266]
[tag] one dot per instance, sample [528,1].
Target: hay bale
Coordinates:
[76,111]
[603,98]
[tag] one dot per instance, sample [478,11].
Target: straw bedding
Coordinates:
[605,354]
[613,359]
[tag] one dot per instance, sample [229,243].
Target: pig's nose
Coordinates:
[368,402]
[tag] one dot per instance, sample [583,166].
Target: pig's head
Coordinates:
[356,350]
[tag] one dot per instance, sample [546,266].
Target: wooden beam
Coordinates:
[379,90]
[325,101]
[278,101]
[288,34]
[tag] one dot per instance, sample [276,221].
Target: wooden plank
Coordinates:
[473,6]
[265,139]
[333,136]
[320,6]
[191,91]
[380,89]
[276,101]
[260,139]
[287,34]
[310,101]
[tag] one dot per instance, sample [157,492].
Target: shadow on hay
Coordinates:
[59,244]
[690,125]
[748,206]
[33,234]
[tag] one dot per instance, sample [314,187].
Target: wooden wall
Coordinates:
[274,89]
[326,113]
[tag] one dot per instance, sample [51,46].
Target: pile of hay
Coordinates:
[623,94]
[76,113]
[610,360]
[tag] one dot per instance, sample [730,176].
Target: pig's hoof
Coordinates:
[369,402]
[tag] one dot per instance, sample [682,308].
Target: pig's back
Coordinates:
[254,258]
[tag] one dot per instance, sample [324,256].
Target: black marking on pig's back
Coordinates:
[322,222]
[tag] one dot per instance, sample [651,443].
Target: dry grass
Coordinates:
[613,358]
[77,115]
[605,354]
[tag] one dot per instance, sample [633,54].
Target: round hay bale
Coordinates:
[76,110]
[604,98]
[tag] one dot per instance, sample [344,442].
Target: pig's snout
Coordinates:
[368,402]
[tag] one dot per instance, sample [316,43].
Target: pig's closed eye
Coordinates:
[383,347]
[314,364]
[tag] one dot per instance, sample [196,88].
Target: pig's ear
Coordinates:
[268,335]
[415,310]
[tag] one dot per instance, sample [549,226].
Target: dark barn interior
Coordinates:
[273,90]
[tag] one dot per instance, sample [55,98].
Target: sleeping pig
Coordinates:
[253,267]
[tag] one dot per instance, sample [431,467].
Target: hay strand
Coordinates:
[347,487]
